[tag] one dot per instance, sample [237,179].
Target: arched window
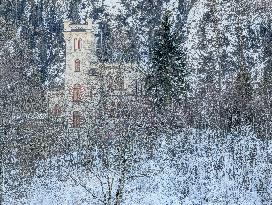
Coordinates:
[79,43]
[110,83]
[92,92]
[119,108]
[77,65]
[77,93]
[119,82]
[119,105]
[136,92]
[75,44]
[56,111]
[112,109]
[76,119]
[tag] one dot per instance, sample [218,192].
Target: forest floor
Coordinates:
[193,167]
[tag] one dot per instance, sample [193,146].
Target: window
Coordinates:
[76,119]
[119,82]
[76,93]
[136,87]
[75,44]
[92,92]
[77,65]
[92,72]
[110,83]
[79,43]
[112,109]
[56,110]
[119,108]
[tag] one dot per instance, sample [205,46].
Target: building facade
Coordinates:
[88,84]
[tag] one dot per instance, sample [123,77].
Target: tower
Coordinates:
[80,60]
[90,88]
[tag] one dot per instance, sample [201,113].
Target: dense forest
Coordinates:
[201,135]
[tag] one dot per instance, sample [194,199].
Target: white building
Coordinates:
[87,80]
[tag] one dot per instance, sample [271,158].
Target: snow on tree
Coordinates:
[165,81]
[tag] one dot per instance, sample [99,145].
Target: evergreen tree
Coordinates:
[267,76]
[165,82]
[242,87]
[104,50]
[73,13]
[242,96]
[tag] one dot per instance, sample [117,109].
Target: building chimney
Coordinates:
[89,23]
[66,24]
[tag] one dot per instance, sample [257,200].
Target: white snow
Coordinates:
[199,168]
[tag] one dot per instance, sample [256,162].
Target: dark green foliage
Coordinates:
[74,9]
[37,27]
[242,97]
[267,76]
[104,50]
[165,82]
[7,10]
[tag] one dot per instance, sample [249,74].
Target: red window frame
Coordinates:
[79,44]
[75,44]
[56,110]
[76,93]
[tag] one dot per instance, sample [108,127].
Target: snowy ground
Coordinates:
[189,169]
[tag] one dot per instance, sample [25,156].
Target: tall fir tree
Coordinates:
[242,96]
[104,50]
[267,57]
[242,87]
[165,82]
[73,13]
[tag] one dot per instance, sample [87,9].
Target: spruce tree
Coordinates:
[73,13]
[267,75]
[243,95]
[165,82]
[243,89]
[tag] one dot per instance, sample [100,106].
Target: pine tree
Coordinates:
[243,94]
[73,14]
[165,82]
[267,76]
[104,50]
[242,87]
